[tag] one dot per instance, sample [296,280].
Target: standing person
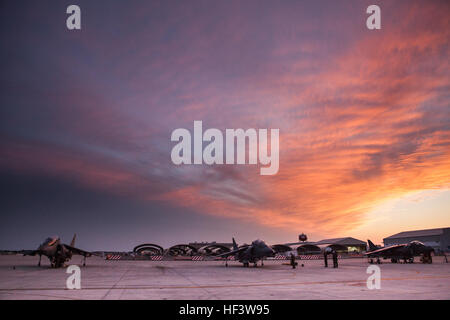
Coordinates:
[325,257]
[335,259]
[293,263]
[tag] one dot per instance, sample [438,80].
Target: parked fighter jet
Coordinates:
[247,254]
[372,246]
[58,253]
[407,252]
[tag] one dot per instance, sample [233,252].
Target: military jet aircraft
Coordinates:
[372,246]
[247,254]
[58,253]
[407,252]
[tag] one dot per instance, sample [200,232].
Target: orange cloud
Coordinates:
[368,124]
[373,125]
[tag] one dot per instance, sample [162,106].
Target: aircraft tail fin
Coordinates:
[72,243]
[372,247]
[235,246]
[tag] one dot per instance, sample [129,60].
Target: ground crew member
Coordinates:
[335,259]
[293,263]
[325,257]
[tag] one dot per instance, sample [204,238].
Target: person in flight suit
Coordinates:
[325,256]
[293,263]
[335,259]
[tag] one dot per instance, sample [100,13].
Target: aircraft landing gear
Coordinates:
[246,264]
[378,261]
[255,265]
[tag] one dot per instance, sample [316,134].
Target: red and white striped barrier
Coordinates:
[232,258]
[280,257]
[113,257]
[315,257]
[302,257]
[310,257]
[198,258]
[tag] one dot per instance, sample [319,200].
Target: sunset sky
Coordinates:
[86,118]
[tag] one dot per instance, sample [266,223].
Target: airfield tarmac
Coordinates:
[20,278]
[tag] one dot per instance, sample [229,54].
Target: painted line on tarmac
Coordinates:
[237,285]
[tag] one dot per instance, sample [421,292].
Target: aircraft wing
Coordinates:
[78,251]
[387,250]
[29,252]
[231,253]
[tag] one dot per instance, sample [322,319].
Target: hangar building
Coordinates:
[350,244]
[198,245]
[438,238]
[346,244]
